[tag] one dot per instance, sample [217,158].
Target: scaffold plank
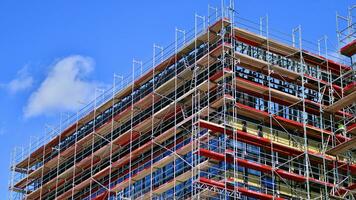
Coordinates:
[157,165]
[251,165]
[277,96]
[212,56]
[216,27]
[262,41]
[181,178]
[251,62]
[219,102]
[278,72]
[170,84]
[286,50]
[81,144]
[166,186]
[261,115]
[349,49]
[122,141]
[204,86]
[351,128]
[206,193]
[342,103]
[251,112]
[266,143]
[262,91]
[350,88]
[285,73]
[226,72]
[249,85]
[102,196]
[242,190]
[343,147]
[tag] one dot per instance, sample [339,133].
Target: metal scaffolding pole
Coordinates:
[298,30]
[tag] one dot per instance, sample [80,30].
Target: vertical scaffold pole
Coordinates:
[270,111]
[92,145]
[22,153]
[224,139]
[59,152]
[75,154]
[43,158]
[176,43]
[195,108]
[215,10]
[304,116]
[28,165]
[175,107]
[155,47]
[12,174]
[114,89]
[321,111]
[232,90]
[134,63]
[131,128]
[111,133]
[91,179]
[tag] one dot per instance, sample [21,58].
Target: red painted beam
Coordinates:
[247,41]
[350,86]
[219,74]
[334,66]
[243,191]
[252,165]
[349,49]
[351,127]
[102,196]
[291,176]
[290,122]
[265,143]
[343,191]
[282,101]
[252,139]
[268,169]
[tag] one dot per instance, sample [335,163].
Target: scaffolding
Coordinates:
[232,109]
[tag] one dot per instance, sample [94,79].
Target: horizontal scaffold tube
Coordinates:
[259,167]
[265,143]
[243,191]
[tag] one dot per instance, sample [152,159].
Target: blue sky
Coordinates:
[54,53]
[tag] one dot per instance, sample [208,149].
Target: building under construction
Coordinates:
[228,111]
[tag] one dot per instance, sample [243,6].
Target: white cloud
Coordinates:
[22,82]
[65,85]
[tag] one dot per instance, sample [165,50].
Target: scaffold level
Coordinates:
[226,112]
[343,147]
[349,49]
